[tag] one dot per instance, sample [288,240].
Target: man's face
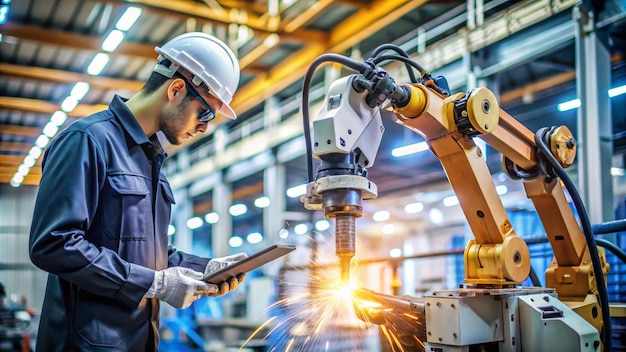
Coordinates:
[179,118]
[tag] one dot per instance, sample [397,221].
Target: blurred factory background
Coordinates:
[238,187]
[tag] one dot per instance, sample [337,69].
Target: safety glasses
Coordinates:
[208,114]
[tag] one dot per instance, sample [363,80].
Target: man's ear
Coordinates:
[176,90]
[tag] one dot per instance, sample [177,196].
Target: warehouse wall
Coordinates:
[19,276]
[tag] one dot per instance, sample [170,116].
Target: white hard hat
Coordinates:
[208,59]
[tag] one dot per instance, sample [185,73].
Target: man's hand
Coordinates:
[179,286]
[226,286]
[219,263]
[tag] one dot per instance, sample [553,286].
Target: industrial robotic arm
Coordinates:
[346,136]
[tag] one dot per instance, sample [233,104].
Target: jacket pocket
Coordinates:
[98,323]
[127,207]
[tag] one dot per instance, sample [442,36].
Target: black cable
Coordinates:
[613,248]
[407,61]
[306,87]
[587,231]
[400,51]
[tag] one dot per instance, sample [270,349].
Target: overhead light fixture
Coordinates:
[29,161]
[613,92]
[113,40]
[296,191]
[50,129]
[35,152]
[235,241]
[381,215]
[79,90]
[42,141]
[129,18]
[436,216]
[212,217]
[97,64]
[569,105]
[59,117]
[238,209]
[409,149]
[262,202]
[271,40]
[617,171]
[301,229]
[23,169]
[194,222]
[171,230]
[502,189]
[69,103]
[254,237]
[395,252]
[450,201]
[322,225]
[413,208]
[283,233]
[389,229]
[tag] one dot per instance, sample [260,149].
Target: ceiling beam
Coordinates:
[61,76]
[41,106]
[306,16]
[31,180]
[26,131]
[537,86]
[351,31]
[8,160]
[74,41]
[15,147]
[10,170]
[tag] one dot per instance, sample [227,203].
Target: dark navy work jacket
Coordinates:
[100,230]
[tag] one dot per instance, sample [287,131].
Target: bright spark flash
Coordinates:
[316,312]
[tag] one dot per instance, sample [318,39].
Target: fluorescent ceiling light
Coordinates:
[301,229]
[502,189]
[129,18]
[389,229]
[4,14]
[113,40]
[238,209]
[322,225]
[409,149]
[413,208]
[283,233]
[450,201]
[235,241]
[69,104]
[254,237]
[59,117]
[436,216]
[212,217]
[262,202]
[50,129]
[617,171]
[23,169]
[395,252]
[569,105]
[171,230]
[613,92]
[271,40]
[35,152]
[79,90]
[29,161]
[194,222]
[381,215]
[97,64]
[296,191]
[42,141]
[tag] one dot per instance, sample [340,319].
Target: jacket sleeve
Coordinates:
[178,258]
[74,171]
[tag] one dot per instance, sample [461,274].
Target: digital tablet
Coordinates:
[249,263]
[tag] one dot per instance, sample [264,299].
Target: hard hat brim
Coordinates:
[227,111]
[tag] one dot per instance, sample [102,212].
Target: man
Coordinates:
[103,208]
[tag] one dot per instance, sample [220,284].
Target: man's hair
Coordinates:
[156,80]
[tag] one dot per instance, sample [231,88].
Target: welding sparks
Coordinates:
[317,312]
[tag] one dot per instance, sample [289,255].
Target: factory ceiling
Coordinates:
[48,45]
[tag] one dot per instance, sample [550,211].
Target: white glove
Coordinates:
[219,263]
[179,286]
